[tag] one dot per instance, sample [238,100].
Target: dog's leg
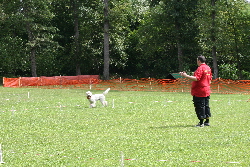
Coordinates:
[106,103]
[92,105]
[102,100]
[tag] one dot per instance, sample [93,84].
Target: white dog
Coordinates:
[94,98]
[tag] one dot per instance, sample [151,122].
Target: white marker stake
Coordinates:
[13,111]
[1,155]
[122,159]
[28,95]
[113,103]
[90,84]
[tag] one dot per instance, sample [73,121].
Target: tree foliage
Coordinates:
[147,38]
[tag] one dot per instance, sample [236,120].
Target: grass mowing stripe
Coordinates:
[56,128]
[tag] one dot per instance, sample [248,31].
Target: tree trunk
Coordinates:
[239,73]
[31,39]
[215,65]
[179,47]
[213,39]
[236,44]
[180,56]
[177,25]
[33,61]
[76,46]
[32,51]
[106,41]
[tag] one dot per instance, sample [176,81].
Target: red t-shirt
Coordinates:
[201,87]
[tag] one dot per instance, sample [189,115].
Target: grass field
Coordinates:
[56,128]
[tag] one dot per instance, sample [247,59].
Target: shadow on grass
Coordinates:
[172,126]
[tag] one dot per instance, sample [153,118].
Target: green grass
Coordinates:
[55,127]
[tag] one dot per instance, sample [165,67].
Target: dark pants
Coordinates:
[202,108]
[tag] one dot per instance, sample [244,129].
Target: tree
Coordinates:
[222,26]
[235,24]
[135,38]
[36,16]
[168,34]
[117,17]
[30,24]
[80,35]
[76,44]
[106,40]
[213,39]
[182,14]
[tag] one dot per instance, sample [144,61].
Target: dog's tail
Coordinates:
[106,91]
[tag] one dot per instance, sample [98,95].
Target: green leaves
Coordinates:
[148,38]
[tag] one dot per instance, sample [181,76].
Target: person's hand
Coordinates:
[183,74]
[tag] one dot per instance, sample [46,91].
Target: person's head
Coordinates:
[201,60]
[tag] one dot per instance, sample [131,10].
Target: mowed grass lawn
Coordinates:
[56,127]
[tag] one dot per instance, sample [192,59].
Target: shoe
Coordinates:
[206,124]
[199,125]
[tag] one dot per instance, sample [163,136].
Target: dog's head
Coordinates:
[88,94]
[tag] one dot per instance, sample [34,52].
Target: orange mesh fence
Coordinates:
[11,82]
[47,81]
[126,84]
[56,80]
[230,86]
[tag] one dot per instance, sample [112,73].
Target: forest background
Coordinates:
[128,38]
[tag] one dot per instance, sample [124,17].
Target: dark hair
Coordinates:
[202,59]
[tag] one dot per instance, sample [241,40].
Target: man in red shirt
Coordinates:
[200,90]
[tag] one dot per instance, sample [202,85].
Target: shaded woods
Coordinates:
[128,38]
